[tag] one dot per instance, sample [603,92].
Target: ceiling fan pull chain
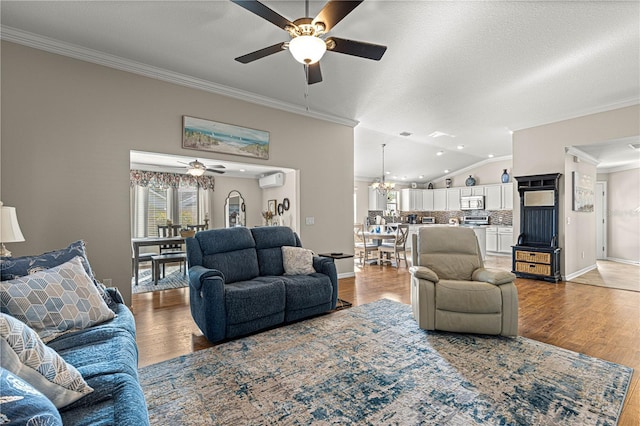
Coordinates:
[306,88]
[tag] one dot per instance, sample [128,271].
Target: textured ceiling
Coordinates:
[474,70]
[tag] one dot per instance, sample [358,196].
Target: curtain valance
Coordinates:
[147,178]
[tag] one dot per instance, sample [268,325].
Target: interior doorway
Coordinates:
[601,219]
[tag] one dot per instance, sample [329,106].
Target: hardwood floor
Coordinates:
[597,321]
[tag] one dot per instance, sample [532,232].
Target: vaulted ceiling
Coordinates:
[455,74]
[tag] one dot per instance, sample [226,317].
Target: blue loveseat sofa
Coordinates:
[238,284]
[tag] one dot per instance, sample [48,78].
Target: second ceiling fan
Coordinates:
[307,45]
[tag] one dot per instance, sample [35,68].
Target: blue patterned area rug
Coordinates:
[372,365]
[173,278]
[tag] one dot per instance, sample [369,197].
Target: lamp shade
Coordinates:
[307,49]
[9,228]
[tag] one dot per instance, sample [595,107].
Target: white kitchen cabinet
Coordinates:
[499,239]
[411,200]
[505,239]
[507,196]
[377,201]
[453,199]
[439,199]
[493,197]
[498,197]
[492,239]
[468,191]
[427,200]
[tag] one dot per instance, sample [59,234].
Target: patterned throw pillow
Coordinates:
[25,355]
[22,404]
[297,261]
[55,301]
[15,267]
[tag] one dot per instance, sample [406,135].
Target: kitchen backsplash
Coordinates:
[496,217]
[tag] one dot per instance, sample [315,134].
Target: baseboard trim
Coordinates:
[625,261]
[346,275]
[580,272]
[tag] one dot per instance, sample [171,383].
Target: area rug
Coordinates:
[371,364]
[173,278]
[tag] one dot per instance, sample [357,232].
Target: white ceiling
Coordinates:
[476,70]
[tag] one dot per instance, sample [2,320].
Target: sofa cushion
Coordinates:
[304,291]
[239,265]
[117,400]
[15,267]
[103,350]
[24,354]
[225,240]
[269,241]
[229,250]
[249,300]
[297,261]
[55,301]
[472,297]
[22,404]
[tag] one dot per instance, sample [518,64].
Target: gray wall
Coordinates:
[68,127]
[541,150]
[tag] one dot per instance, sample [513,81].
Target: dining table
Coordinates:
[136,243]
[380,236]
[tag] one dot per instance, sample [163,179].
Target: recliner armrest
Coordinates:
[198,274]
[424,273]
[493,276]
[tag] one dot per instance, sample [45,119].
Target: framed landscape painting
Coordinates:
[207,135]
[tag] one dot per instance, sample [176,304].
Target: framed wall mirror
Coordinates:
[234,210]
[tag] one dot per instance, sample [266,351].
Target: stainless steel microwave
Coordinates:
[474,202]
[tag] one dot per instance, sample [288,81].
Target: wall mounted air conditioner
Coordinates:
[272,181]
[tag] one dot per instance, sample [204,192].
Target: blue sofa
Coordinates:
[238,284]
[107,357]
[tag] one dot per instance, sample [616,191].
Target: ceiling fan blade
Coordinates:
[216,166]
[258,54]
[264,12]
[216,171]
[356,48]
[334,11]
[313,73]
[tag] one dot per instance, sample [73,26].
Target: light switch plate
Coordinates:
[310,220]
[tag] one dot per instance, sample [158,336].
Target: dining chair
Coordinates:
[167,231]
[361,245]
[394,249]
[197,227]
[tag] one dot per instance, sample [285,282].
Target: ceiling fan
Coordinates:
[196,168]
[307,44]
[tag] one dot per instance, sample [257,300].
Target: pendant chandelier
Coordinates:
[383,187]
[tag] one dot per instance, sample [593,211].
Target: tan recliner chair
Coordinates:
[452,291]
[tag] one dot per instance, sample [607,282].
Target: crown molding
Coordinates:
[583,156]
[50,45]
[632,101]
[615,169]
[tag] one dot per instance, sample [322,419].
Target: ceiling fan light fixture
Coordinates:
[193,171]
[307,49]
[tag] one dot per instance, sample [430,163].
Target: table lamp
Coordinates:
[9,229]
